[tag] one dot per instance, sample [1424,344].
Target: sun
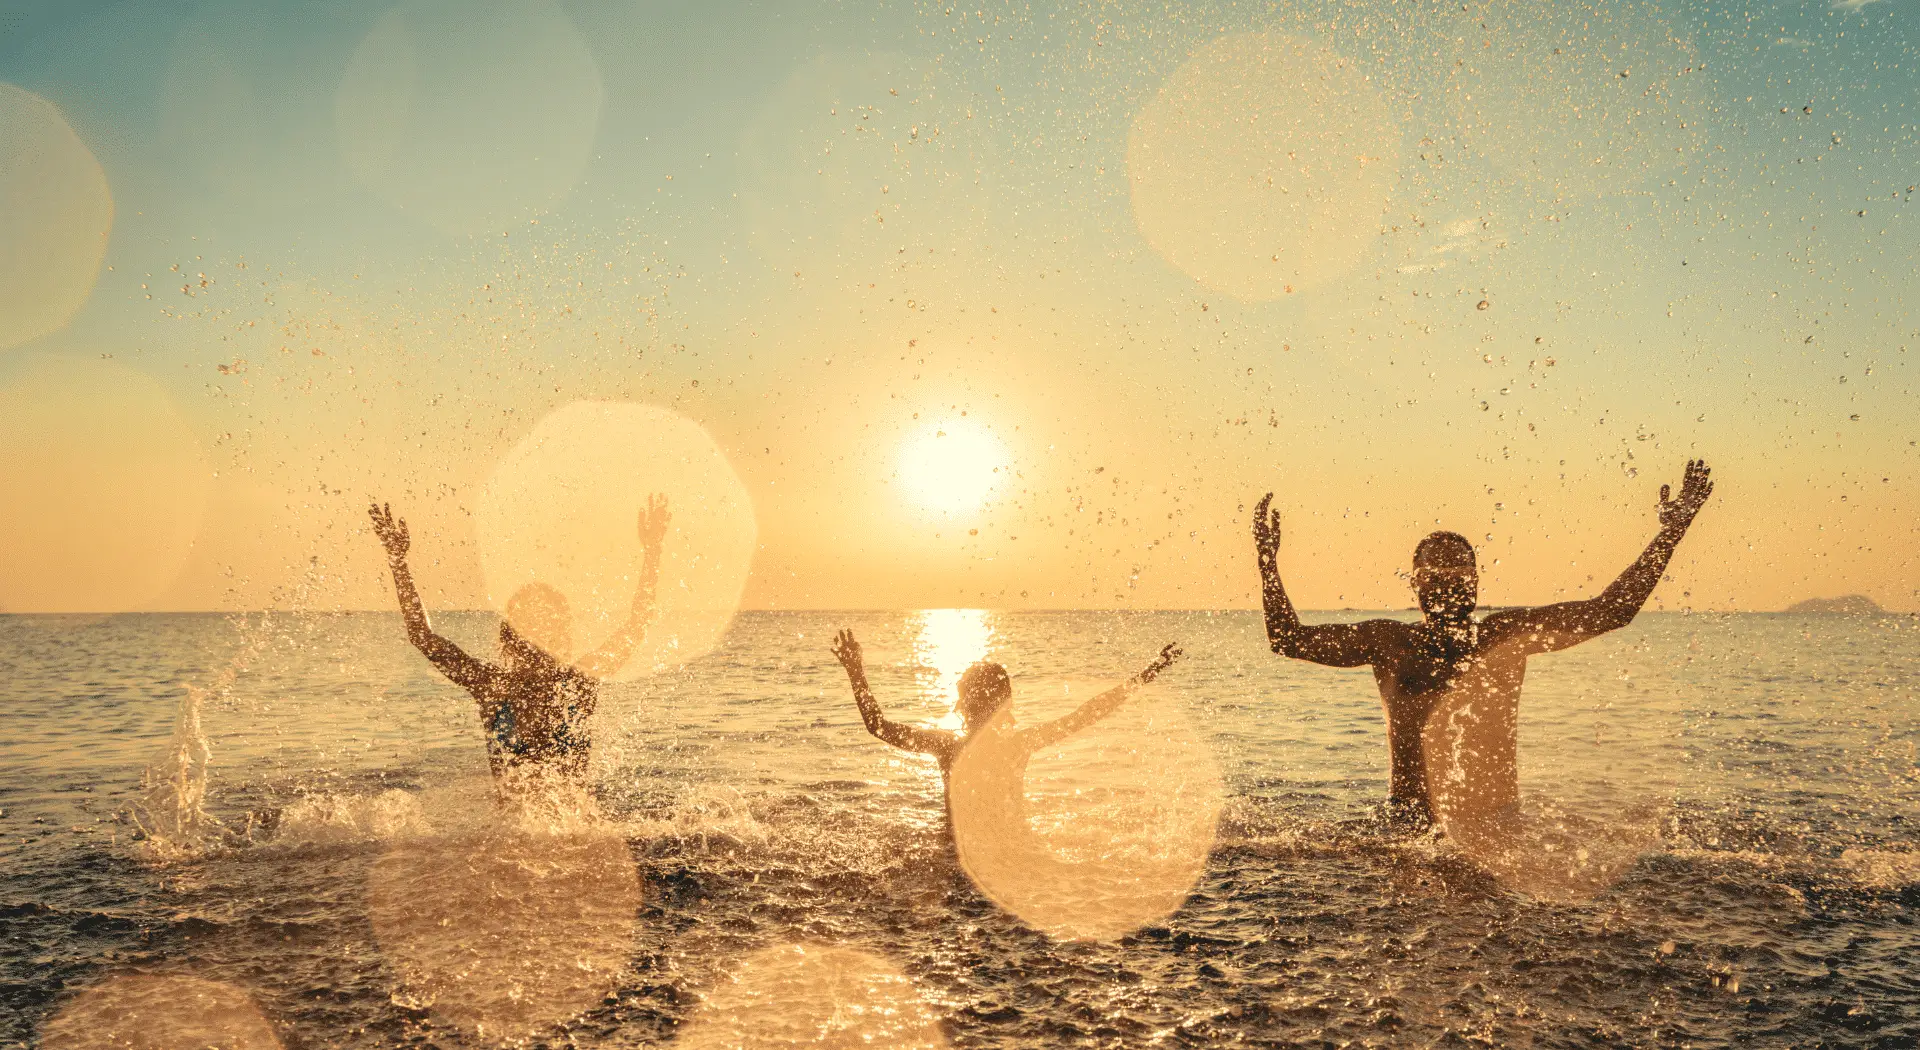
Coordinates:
[953,467]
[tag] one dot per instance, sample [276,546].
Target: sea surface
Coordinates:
[283,824]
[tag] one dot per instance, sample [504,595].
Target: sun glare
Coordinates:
[949,642]
[953,467]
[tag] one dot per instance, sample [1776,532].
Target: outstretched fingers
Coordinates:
[1266,524]
[845,648]
[391,532]
[653,519]
[1699,482]
[1695,486]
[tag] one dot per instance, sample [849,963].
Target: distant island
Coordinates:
[1845,605]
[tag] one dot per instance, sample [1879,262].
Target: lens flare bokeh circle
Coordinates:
[107,488]
[558,518]
[1263,165]
[150,1012]
[1099,835]
[470,115]
[56,211]
[514,919]
[813,995]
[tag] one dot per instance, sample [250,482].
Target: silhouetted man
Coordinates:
[1451,684]
[536,702]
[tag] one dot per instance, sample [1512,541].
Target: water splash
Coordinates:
[328,818]
[171,814]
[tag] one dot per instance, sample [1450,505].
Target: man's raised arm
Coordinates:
[1335,645]
[1552,627]
[900,735]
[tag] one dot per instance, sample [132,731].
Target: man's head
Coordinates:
[984,690]
[538,626]
[1445,575]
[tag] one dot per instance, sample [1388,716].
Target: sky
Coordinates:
[988,305]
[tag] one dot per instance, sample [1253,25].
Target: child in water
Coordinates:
[986,713]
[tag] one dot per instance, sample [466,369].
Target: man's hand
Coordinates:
[393,534]
[653,522]
[847,650]
[1694,490]
[1266,531]
[1167,656]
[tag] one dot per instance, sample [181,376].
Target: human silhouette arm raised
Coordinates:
[899,734]
[1558,626]
[1333,644]
[452,661]
[614,653]
[1100,706]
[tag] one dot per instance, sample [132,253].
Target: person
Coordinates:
[535,702]
[1451,684]
[986,712]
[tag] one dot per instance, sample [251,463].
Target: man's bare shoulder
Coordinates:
[1385,628]
[1507,614]
[1383,637]
[1502,624]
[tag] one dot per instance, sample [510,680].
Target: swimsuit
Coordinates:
[565,740]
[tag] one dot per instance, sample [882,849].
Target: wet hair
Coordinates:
[1444,550]
[983,688]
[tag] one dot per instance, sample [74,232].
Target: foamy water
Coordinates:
[275,808]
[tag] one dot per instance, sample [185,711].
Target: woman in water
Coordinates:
[534,703]
[986,717]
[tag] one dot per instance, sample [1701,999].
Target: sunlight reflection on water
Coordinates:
[950,641]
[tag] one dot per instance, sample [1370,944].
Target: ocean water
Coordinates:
[283,823]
